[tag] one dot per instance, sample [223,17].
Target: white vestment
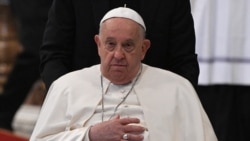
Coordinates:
[171,107]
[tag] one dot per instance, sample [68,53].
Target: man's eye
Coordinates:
[110,46]
[128,47]
[111,43]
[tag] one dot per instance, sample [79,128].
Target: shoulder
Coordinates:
[77,85]
[85,75]
[164,78]
[166,84]
[158,73]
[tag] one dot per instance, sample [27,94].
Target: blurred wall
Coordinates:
[223,45]
[223,40]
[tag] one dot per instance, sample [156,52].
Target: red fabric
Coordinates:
[9,136]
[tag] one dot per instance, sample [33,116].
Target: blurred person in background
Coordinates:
[31,17]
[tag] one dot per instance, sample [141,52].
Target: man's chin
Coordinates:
[117,75]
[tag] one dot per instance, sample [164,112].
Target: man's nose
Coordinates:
[119,53]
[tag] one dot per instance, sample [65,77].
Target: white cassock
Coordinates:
[172,110]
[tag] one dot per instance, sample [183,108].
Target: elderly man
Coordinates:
[122,99]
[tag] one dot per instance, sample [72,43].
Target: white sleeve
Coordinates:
[53,122]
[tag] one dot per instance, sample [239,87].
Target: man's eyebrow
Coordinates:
[130,41]
[109,38]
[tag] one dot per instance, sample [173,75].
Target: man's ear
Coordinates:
[97,40]
[98,43]
[145,46]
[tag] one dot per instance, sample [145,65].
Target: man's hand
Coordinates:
[114,129]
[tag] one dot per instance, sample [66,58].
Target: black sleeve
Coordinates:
[170,28]
[184,60]
[58,41]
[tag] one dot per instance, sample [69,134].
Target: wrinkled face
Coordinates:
[121,47]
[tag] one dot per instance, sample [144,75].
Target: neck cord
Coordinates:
[123,99]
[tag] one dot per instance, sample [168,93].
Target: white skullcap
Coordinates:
[124,12]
